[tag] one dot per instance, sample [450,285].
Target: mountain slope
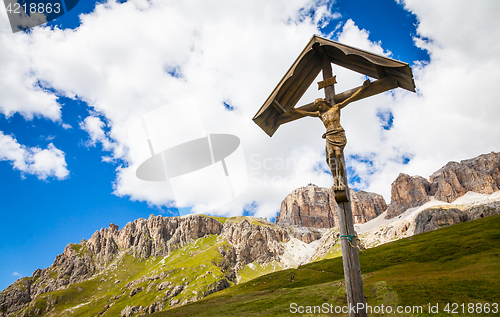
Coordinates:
[456,264]
[157,263]
[123,283]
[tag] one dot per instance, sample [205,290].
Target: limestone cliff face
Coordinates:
[480,175]
[435,218]
[257,242]
[155,236]
[305,234]
[315,207]
[408,191]
[309,206]
[366,206]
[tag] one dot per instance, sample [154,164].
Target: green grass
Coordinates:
[334,252]
[219,219]
[250,272]
[76,247]
[184,265]
[252,220]
[456,264]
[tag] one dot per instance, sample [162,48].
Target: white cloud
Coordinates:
[454,114]
[4,23]
[119,61]
[17,274]
[20,88]
[49,162]
[94,127]
[352,35]
[225,50]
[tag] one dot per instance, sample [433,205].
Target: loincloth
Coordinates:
[335,138]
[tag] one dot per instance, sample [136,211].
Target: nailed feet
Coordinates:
[338,185]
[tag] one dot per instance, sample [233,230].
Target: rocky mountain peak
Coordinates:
[309,206]
[142,238]
[315,207]
[261,242]
[480,175]
[408,191]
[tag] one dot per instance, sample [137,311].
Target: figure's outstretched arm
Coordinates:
[305,113]
[354,95]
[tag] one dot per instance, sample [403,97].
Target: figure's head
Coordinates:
[322,104]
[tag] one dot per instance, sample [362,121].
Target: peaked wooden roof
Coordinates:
[390,73]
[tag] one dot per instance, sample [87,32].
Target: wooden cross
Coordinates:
[279,108]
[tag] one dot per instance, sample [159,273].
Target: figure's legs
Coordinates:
[335,160]
[339,156]
[333,163]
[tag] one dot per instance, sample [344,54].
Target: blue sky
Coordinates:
[83,127]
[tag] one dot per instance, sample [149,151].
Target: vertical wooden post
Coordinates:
[352,270]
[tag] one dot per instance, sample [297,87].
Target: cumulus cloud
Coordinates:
[225,51]
[42,163]
[21,90]
[236,52]
[94,127]
[454,114]
[356,37]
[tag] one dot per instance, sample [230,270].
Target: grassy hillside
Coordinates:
[457,264]
[129,281]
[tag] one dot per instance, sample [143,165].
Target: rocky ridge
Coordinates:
[145,239]
[315,207]
[157,242]
[480,175]
[430,216]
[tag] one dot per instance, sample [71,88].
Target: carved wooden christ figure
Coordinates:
[335,134]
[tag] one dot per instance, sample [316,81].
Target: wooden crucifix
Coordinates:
[335,138]
[279,108]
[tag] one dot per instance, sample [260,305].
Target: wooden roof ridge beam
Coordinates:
[326,66]
[376,87]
